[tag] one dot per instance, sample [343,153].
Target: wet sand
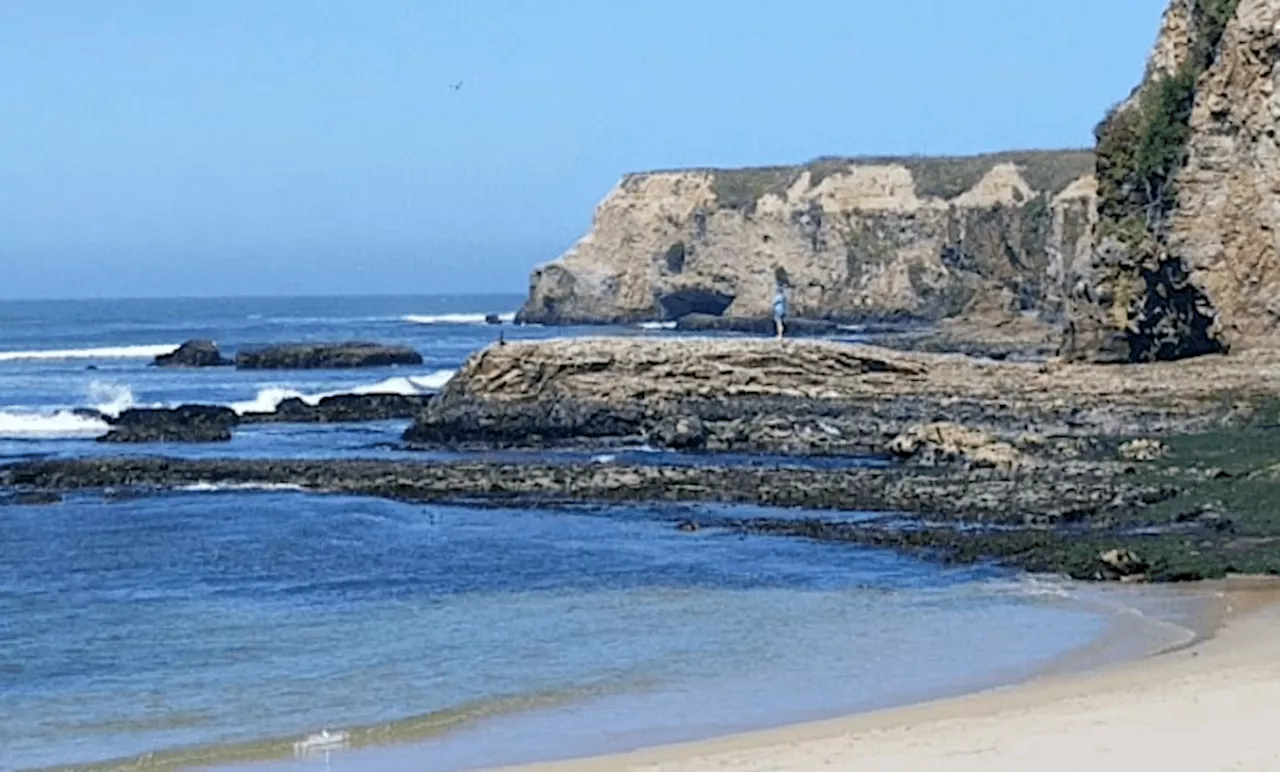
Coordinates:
[1207,706]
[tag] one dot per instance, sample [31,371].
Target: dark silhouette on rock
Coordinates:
[754,326]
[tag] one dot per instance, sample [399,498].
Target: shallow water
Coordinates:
[226,618]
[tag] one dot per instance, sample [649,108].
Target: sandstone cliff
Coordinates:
[1189,172]
[856,238]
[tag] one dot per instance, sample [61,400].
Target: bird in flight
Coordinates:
[456,86]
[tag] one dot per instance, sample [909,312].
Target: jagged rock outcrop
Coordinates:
[855,238]
[321,356]
[1188,260]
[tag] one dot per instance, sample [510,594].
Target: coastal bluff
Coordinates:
[856,239]
[1188,253]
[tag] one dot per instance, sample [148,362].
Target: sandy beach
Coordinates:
[1210,706]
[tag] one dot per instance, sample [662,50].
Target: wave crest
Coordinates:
[506,318]
[269,398]
[37,425]
[106,352]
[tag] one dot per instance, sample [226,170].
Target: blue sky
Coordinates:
[214,147]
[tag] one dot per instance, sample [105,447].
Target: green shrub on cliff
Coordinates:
[1142,146]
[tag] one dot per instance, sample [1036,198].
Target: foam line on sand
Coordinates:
[1205,707]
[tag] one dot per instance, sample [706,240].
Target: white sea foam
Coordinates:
[406,385]
[61,424]
[107,352]
[227,487]
[657,325]
[321,744]
[507,318]
[269,398]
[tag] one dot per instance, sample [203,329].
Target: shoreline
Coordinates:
[1136,622]
[1140,622]
[1105,716]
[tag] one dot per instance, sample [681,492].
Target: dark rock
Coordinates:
[688,526]
[492,319]
[1208,516]
[194,353]
[544,423]
[341,408]
[680,433]
[695,301]
[188,423]
[315,356]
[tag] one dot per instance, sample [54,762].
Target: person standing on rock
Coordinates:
[779,307]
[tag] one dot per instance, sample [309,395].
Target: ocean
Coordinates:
[272,629]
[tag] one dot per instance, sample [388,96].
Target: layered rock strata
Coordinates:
[856,239]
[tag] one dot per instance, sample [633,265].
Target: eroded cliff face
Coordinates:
[855,239]
[1188,260]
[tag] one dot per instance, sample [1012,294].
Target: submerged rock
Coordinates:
[31,498]
[194,353]
[318,356]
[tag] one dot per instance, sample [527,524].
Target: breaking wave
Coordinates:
[507,318]
[108,399]
[107,352]
[37,425]
[657,325]
[268,399]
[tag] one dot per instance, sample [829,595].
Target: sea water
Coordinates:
[211,626]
